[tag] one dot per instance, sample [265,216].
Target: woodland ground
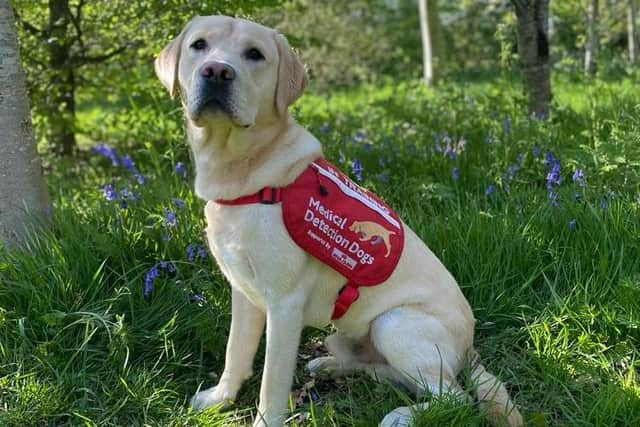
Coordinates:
[116,314]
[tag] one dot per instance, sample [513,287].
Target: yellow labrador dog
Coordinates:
[236,80]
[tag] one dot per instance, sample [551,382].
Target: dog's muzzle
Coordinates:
[212,92]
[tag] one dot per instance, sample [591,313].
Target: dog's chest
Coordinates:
[253,250]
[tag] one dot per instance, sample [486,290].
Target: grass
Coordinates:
[555,286]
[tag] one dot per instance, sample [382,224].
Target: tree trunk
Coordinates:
[432,42]
[23,193]
[631,31]
[533,48]
[593,39]
[63,87]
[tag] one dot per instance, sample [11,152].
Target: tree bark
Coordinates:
[631,31]
[63,87]
[533,48]
[432,42]
[593,40]
[23,194]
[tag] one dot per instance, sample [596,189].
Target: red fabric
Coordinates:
[343,225]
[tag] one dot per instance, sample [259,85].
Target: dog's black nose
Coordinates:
[218,72]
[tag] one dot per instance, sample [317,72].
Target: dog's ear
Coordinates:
[166,64]
[292,77]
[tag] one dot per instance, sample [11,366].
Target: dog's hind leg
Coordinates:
[349,356]
[418,346]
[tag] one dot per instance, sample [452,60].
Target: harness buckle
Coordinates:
[272,198]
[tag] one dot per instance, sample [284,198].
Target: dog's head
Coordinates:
[231,70]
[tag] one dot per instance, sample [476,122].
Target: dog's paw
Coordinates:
[218,395]
[399,417]
[323,365]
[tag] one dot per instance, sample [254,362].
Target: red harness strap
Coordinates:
[343,225]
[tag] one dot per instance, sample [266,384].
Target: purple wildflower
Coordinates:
[578,176]
[366,147]
[167,265]
[139,178]
[179,203]
[128,163]
[535,150]
[169,218]
[127,194]
[604,203]
[109,192]
[181,170]
[356,169]
[511,171]
[324,128]
[490,190]
[455,173]
[553,176]
[149,277]
[549,158]
[108,152]
[572,224]
[358,136]
[462,144]
[197,297]
[195,251]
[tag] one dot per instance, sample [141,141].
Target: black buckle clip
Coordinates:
[270,201]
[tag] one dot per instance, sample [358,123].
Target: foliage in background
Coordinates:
[117,315]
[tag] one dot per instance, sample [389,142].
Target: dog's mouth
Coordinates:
[214,108]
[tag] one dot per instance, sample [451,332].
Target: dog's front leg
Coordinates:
[247,324]
[284,326]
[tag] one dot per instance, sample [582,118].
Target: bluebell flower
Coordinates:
[179,203]
[511,171]
[167,265]
[490,190]
[553,176]
[197,297]
[604,203]
[195,251]
[367,147]
[578,176]
[127,194]
[535,150]
[462,144]
[358,136]
[572,224]
[139,178]
[149,277]
[324,127]
[108,152]
[549,158]
[181,170]
[169,218]
[356,169]
[506,125]
[109,192]
[455,173]
[128,163]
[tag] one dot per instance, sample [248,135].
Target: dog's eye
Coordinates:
[253,54]
[199,44]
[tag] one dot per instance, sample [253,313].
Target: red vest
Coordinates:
[343,225]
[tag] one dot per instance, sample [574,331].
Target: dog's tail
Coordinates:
[493,396]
